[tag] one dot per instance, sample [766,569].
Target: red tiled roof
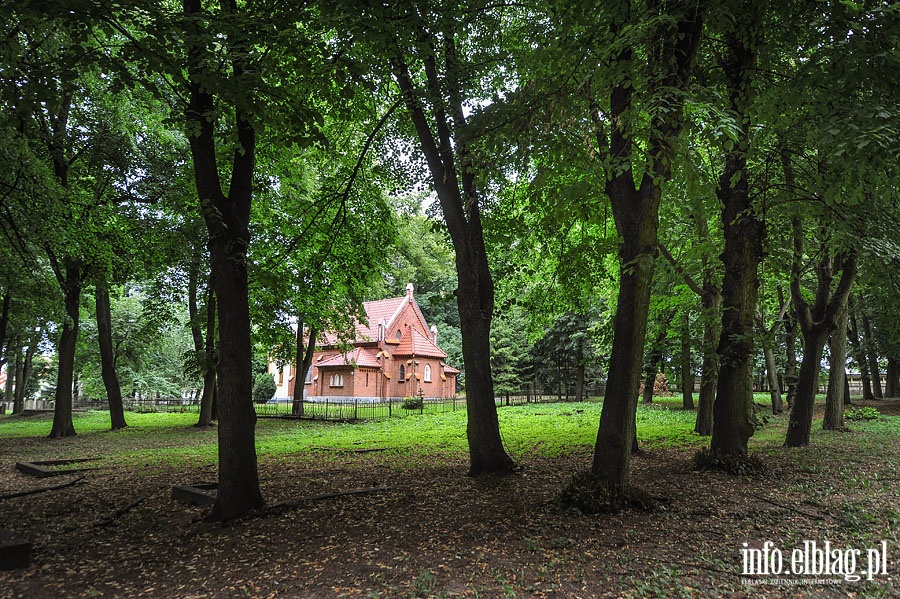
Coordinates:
[450,370]
[375,311]
[359,356]
[385,309]
[414,343]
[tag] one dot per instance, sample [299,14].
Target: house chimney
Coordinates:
[434,334]
[409,290]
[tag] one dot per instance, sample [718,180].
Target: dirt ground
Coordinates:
[430,531]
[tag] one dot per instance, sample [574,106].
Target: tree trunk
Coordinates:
[27,368]
[10,397]
[579,378]
[4,321]
[68,339]
[238,491]
[743,231]
[837,375]
[108,357]
[649,380]
[847,401]
[193,310]
[711,301]
[612,452]
[207,349]
[303,361]
[807,385]
[475,300]
[790,350]
[18,372]
[859,356]
[653,365]
[892,386]
[687,375]
[872,354]
[772,373]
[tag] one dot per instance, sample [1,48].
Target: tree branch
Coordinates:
[687,278]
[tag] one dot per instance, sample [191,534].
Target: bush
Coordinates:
[867,413]
[264,387]
[413,403]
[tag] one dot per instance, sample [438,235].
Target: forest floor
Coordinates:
[431,531]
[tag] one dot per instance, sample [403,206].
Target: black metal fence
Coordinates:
[324,408]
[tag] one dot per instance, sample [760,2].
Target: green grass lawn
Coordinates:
[532,429]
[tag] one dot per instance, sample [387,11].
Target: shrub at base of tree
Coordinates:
[739,465]
[588,494]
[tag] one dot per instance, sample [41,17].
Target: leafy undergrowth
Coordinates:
[433,532]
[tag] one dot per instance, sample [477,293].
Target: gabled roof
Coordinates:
[386,310]
[360,356]
[376,311]
[414,343]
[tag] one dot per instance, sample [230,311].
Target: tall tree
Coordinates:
[227,217]
[634,187]
[817,322]
[744,231]
[426,48]
[107,357]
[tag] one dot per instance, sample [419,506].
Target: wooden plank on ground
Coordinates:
[14,552]
[196,494]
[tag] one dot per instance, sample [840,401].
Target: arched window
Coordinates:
[402,376]
[337,380]
[426,374]
[399,334]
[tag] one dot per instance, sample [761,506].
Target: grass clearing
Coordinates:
[546,430]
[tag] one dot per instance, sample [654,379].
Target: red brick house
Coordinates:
[394,355]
